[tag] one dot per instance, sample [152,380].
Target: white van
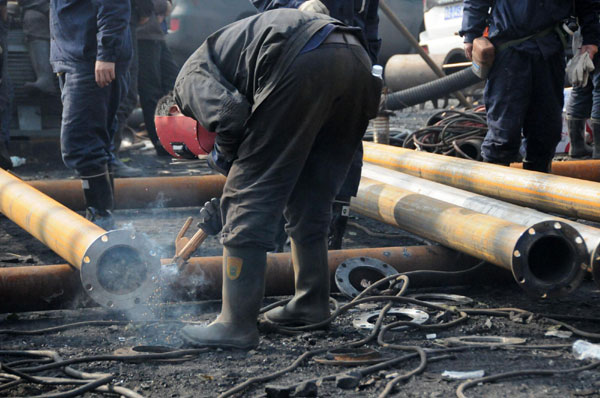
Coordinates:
[442,21]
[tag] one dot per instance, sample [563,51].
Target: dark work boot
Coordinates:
[340,210]
[577,147]
[243,291]
[99,200]
[543,166]
[596,134]
[39,52]
[310,303]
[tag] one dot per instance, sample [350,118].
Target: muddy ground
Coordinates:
[211,373]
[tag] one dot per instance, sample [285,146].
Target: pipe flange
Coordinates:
[550,259]
[442,298]
[120,270]
[351,272]
[367,320]
[482,340]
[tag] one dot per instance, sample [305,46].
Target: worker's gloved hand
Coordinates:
[218,162]
[579,68]
[210,217]
[314,6]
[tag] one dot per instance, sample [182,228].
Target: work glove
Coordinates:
[210,217]
[314,6]
[218,162]
[579,68]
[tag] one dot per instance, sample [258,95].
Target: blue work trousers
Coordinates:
[585,101]
[524,100]
[89,117]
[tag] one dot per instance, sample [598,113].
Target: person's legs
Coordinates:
[86,140]
[507,96]
[543,124]
[595,120]
[149,85]
[579,107]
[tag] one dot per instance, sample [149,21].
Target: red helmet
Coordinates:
[183,137]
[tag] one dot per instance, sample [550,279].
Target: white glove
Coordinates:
[314,6]
[579,68]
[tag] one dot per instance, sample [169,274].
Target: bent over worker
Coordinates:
[524,90]
[289,95]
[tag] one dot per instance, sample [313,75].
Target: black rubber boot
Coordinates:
[507,164]
[243,291]
[543,166]
[577,147]
[596,134]
[310,303]
[39,52]
[5,162]
[340,210]
[99,199]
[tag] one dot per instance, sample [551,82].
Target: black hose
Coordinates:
[435,89]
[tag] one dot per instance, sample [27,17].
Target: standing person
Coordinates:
[524,89]
[157,71]
[361,14]
[584,102]
[37,33]
[6,92]
[254,83]
[90,51]
[141,10]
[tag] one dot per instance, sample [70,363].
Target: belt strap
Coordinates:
[554,28]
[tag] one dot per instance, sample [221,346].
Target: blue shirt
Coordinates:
[511,19]
[357,13]
[83,31]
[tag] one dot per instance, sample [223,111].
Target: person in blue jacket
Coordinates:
[524,90]
[90,50]
[357,13]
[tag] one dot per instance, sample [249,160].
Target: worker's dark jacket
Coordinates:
[290,116]
[510,20]
[359,13]
[83,31]
[241,64]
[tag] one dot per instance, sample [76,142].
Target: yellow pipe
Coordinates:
[545,258]
[65,232]
[563,195]
[117,268]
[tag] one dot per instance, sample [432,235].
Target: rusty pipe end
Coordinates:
[120,270]
[550,259]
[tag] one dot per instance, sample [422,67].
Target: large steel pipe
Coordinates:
[34,288]
[135,193]
[404,71]
[115,267]
[544,258]
[493,207]
[582,169]
[563,195]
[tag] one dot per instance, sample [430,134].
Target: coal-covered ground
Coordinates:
[545,345]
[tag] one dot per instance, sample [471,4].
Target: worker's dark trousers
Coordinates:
[89,117]
[298,147]
[524,92]
[156,77]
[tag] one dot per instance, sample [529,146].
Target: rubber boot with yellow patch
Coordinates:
[310,303]
[243,290]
